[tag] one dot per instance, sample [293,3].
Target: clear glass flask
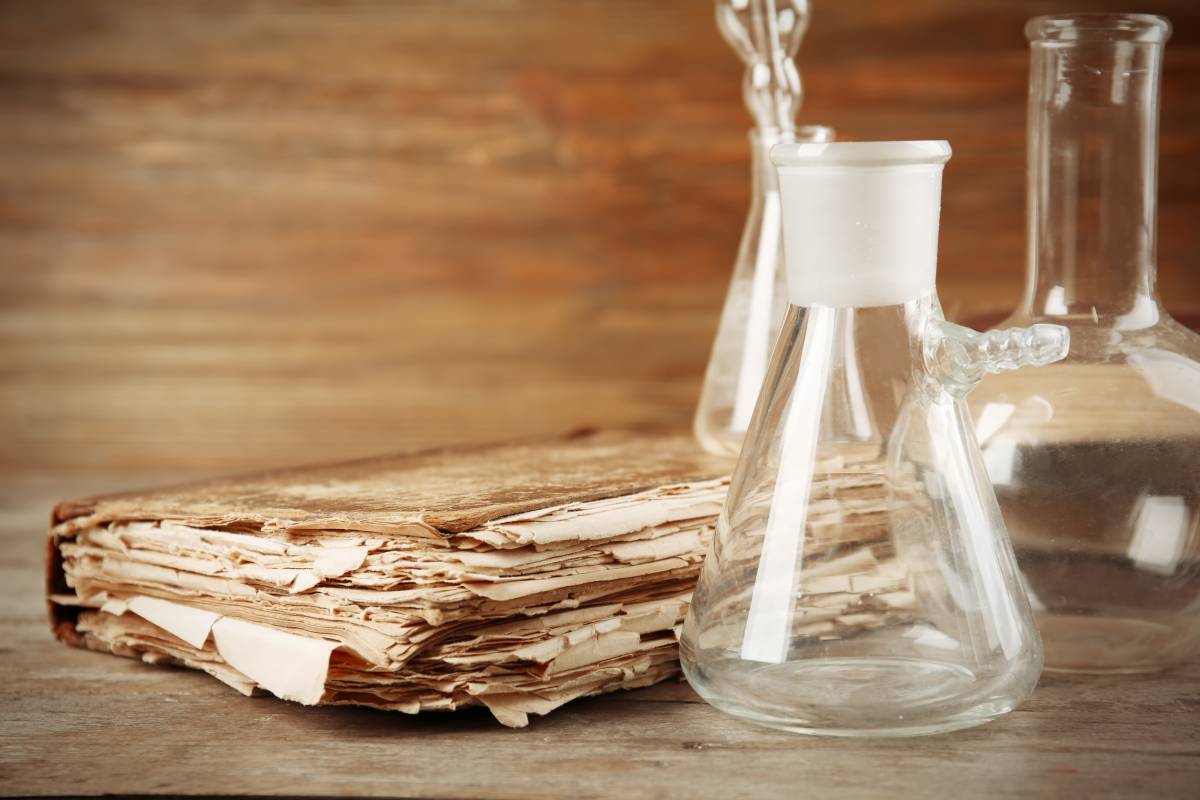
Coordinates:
[766,34]
[860,581]
[754,306]
[1096,460]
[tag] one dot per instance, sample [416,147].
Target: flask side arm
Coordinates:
[958,357]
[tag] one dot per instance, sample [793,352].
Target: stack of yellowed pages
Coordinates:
[516,577]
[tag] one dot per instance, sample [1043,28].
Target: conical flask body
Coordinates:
[860,581]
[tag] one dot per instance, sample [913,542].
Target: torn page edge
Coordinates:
[288,665]
[192,625]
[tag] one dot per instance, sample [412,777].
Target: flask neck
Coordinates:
[1092,160]
[860,220]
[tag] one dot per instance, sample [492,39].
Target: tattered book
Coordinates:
[514,576]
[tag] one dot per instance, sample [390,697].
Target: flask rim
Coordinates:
[861,154]
[1067,29]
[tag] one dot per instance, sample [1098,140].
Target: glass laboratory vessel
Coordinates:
[1096,460]
[754,306]
[766,35]
[860,581]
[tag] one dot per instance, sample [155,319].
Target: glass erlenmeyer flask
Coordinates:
[766,34]
[860,581]
[1096,461]
[754,306]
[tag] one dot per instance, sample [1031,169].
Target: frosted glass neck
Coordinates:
[1092,160]
[860,220]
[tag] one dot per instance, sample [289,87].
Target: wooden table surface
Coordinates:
[235,235]
[79,723]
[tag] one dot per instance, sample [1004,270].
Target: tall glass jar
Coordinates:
[1096,460]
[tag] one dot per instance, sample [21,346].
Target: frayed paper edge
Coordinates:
[289,666]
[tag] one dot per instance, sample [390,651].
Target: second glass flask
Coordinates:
[1096,460]
[754,306]
[860,581]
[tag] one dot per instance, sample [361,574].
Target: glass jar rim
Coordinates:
[1098,27]
[929,152]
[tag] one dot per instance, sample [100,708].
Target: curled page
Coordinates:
[190,624]
[288,666]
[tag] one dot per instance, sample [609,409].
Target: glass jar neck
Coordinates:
[1092,182]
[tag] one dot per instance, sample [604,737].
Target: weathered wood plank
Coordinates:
[234,235]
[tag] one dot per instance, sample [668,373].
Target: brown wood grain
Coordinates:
[241,234]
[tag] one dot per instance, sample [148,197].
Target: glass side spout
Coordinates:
[959,357]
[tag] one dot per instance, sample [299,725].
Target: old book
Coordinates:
[516,577]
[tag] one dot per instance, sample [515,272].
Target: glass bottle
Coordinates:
[1096,460]
[766,34]
[860,581]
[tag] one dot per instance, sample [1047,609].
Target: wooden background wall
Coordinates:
[244,233]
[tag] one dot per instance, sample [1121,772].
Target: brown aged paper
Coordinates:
[517,577]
